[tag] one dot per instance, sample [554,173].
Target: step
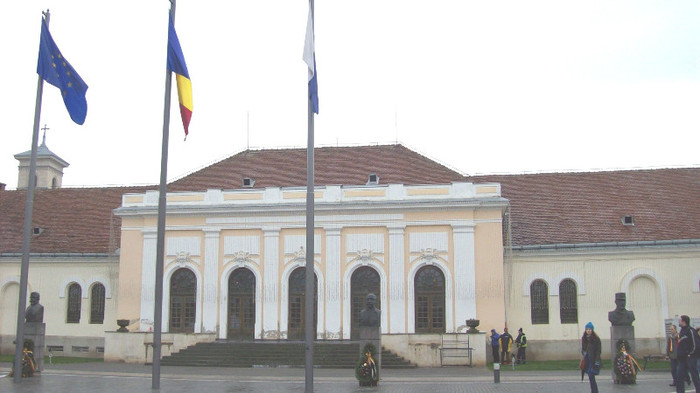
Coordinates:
[223,353]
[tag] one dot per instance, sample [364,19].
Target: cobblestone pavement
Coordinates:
[110,377]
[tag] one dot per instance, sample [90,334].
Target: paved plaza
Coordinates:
[116,377]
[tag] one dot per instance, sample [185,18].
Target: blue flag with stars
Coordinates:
[56,70]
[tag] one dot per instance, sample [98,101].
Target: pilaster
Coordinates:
[465,273]
[397,294]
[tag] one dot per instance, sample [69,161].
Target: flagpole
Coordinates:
[27,235]
[160,243]
[310,294]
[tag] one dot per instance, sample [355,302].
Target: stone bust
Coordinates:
[621,316]
[35,311]
[370,316]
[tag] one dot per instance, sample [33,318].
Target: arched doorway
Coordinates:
[296,325]
[364,280]
[645,300]
[9,296]
[183,301]
[241,305]
[430,300]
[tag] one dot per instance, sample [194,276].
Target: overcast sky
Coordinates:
[506,86]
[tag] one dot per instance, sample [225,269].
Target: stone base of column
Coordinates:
[36,332]
[617,333]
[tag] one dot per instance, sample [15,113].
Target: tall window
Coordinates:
[183,294]
[539,302]
[364,281]
[430,300]
[97,303]
[241,305]
[296,325]
[74,297]
[568,308]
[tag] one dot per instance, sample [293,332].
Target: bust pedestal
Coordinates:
[617,333]
[36,331]
[372,335]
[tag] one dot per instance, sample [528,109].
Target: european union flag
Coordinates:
[56,70]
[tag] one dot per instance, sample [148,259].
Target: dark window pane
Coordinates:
[539,302]
[364,280]
[97,304]
[568,308]
[183,294]
[75,295]
[241,312]
[296,324]
[429,300]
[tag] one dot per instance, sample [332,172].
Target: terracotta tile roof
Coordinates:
[76,220]
[332,165]
[559,208]
[549,208]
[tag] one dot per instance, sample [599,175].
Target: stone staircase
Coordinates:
[327,354]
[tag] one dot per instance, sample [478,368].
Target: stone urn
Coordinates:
[123,323]
[472,323]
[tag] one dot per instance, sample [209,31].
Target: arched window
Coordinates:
[568,307]
[75,295]
[539,302]
[97,303]
[364,281]
[183,301]
[54,183]
[241,305]
[430,300]
[296,325]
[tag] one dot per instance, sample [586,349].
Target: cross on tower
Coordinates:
[43,141]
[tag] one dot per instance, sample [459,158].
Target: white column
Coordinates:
[465,273]
[397,281]
[148,280]
[270,282]
[333,284]
[210,292]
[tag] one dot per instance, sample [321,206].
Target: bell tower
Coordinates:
[49,167]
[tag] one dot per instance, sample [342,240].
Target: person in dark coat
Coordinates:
[590,349]
[494,344]
[687,352]
[521,342]
[506,343]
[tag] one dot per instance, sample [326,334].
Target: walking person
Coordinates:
[590,349]
[521,342]
[697,356]
[688,351]
[494,344]
[506,342]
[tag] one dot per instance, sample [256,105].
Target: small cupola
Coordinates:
[49,167]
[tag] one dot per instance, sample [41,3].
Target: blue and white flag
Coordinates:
[310,60]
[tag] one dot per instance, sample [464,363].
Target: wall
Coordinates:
[137,347]
[51,275]
[424,349]
[648,274]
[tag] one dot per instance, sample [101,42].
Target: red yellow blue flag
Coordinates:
[176,64]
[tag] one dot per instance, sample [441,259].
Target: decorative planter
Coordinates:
[472,323]
[123,323]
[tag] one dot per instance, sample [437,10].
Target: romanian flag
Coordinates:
[176,64]
[56,70]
